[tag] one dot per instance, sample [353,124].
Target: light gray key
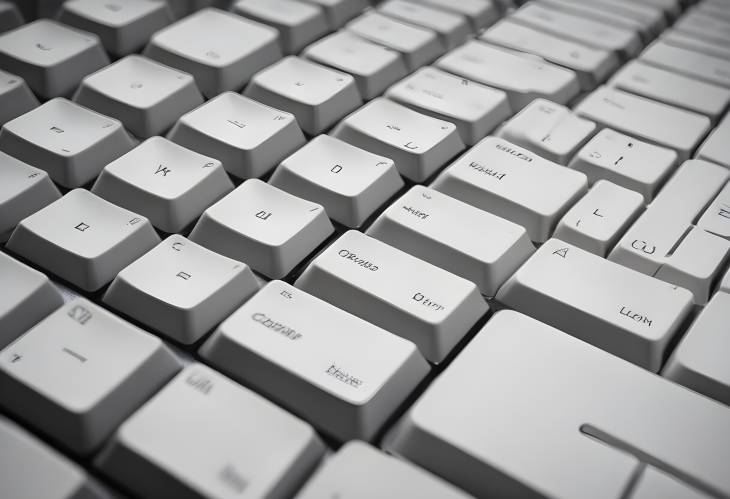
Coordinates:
[688,62]
[481,13]
[338,12]
[15,97]
[684,40]
[715,147]
[451,28]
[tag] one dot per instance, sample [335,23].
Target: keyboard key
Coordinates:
[628,314]
[451,28]
[263,226]
[247,137]
[396,291]
[338,372]
[10,17]
[221,50]
[716,218]
[701,25]
[338,12]
[68,141]
[671,8]
[475,109]
[513,183]
[714,148]
[83,239]
[480,13]
[349,182]
[246,446]
[683,40]
[575,446]
[523,77]
[318,96]
[165,182]
[51,57]
[80,372]
[418,144]
[15,97]
[688,62]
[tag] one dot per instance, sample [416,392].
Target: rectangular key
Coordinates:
[16,97]
[704,25]
[715,147]
[684,40]
[338,12]
[688,62]
[398,292]
[635,317]
[451,28]
[481,13]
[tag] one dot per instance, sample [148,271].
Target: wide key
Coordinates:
[689,62]
[451,28]
[15,97]
[338,12]
[714,148]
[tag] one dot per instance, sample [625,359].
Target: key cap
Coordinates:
[398,292]
[455,236]
[645,119]
[591,65]
[338,12]
[122,27]
[654,483]
[418,46]
[480,13]
[318,96]
[221,50]
[716,218]
[247,446]
[15,97]
[23,191]
[688,62]
[418,144]
[263,226]
[513,183]
[80,372]
[475,109]
[374,68]
[701,25]
[247,137]
[524,78]
[317,361]
[181,289]
[714,148]
[683,40]
[349,182]
[51,57]
[451,28]
[68,141]
[83,239]
[348,474]
[548,129]
[575,446]
[10,17]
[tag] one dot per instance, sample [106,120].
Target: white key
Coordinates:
[15,97]
[688,62]
[83,239]
[645,119]
[599,419]
[123,27]
[716,218]
[452,28]
[10,17]
[549,130]
[591,65]
[338,12]
[654,483]
[80,372]
[247,447]
[419,46]
[68,141]
[221,50]
[27,297]
[247,137]
[715,147]
[396,291]
[51,57]
[703,25]
[455,236]
[318,96]
[475,109]
[513,183]
[628,314]
[23,191]
[523,77]
[263,226]
[480,13]
[374,67]
[418,144]
[181,289]
[317,361]
[165,182]
[342,476]
[684,40]
[349,182]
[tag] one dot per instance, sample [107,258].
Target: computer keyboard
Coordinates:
[343,249]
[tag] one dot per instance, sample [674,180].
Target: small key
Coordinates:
[513,183]
[123,27]
[80,372]
[318,96]
[68,141]
[349,182]
[263,226]
[418,144]
[396,291]
[475,109]
[688,62]
[338,12]
[242,446]
[247,137]
[15,97]
[317,361]
[683,40]
[83,239]
[10,16]
[523,77]
[165,182]
[480,13]
[715,147]
[451,28]
[653,483]
[221,50]
[51,57]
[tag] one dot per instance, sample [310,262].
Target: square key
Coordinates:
[15,97]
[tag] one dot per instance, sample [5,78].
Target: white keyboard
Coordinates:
[358,249]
